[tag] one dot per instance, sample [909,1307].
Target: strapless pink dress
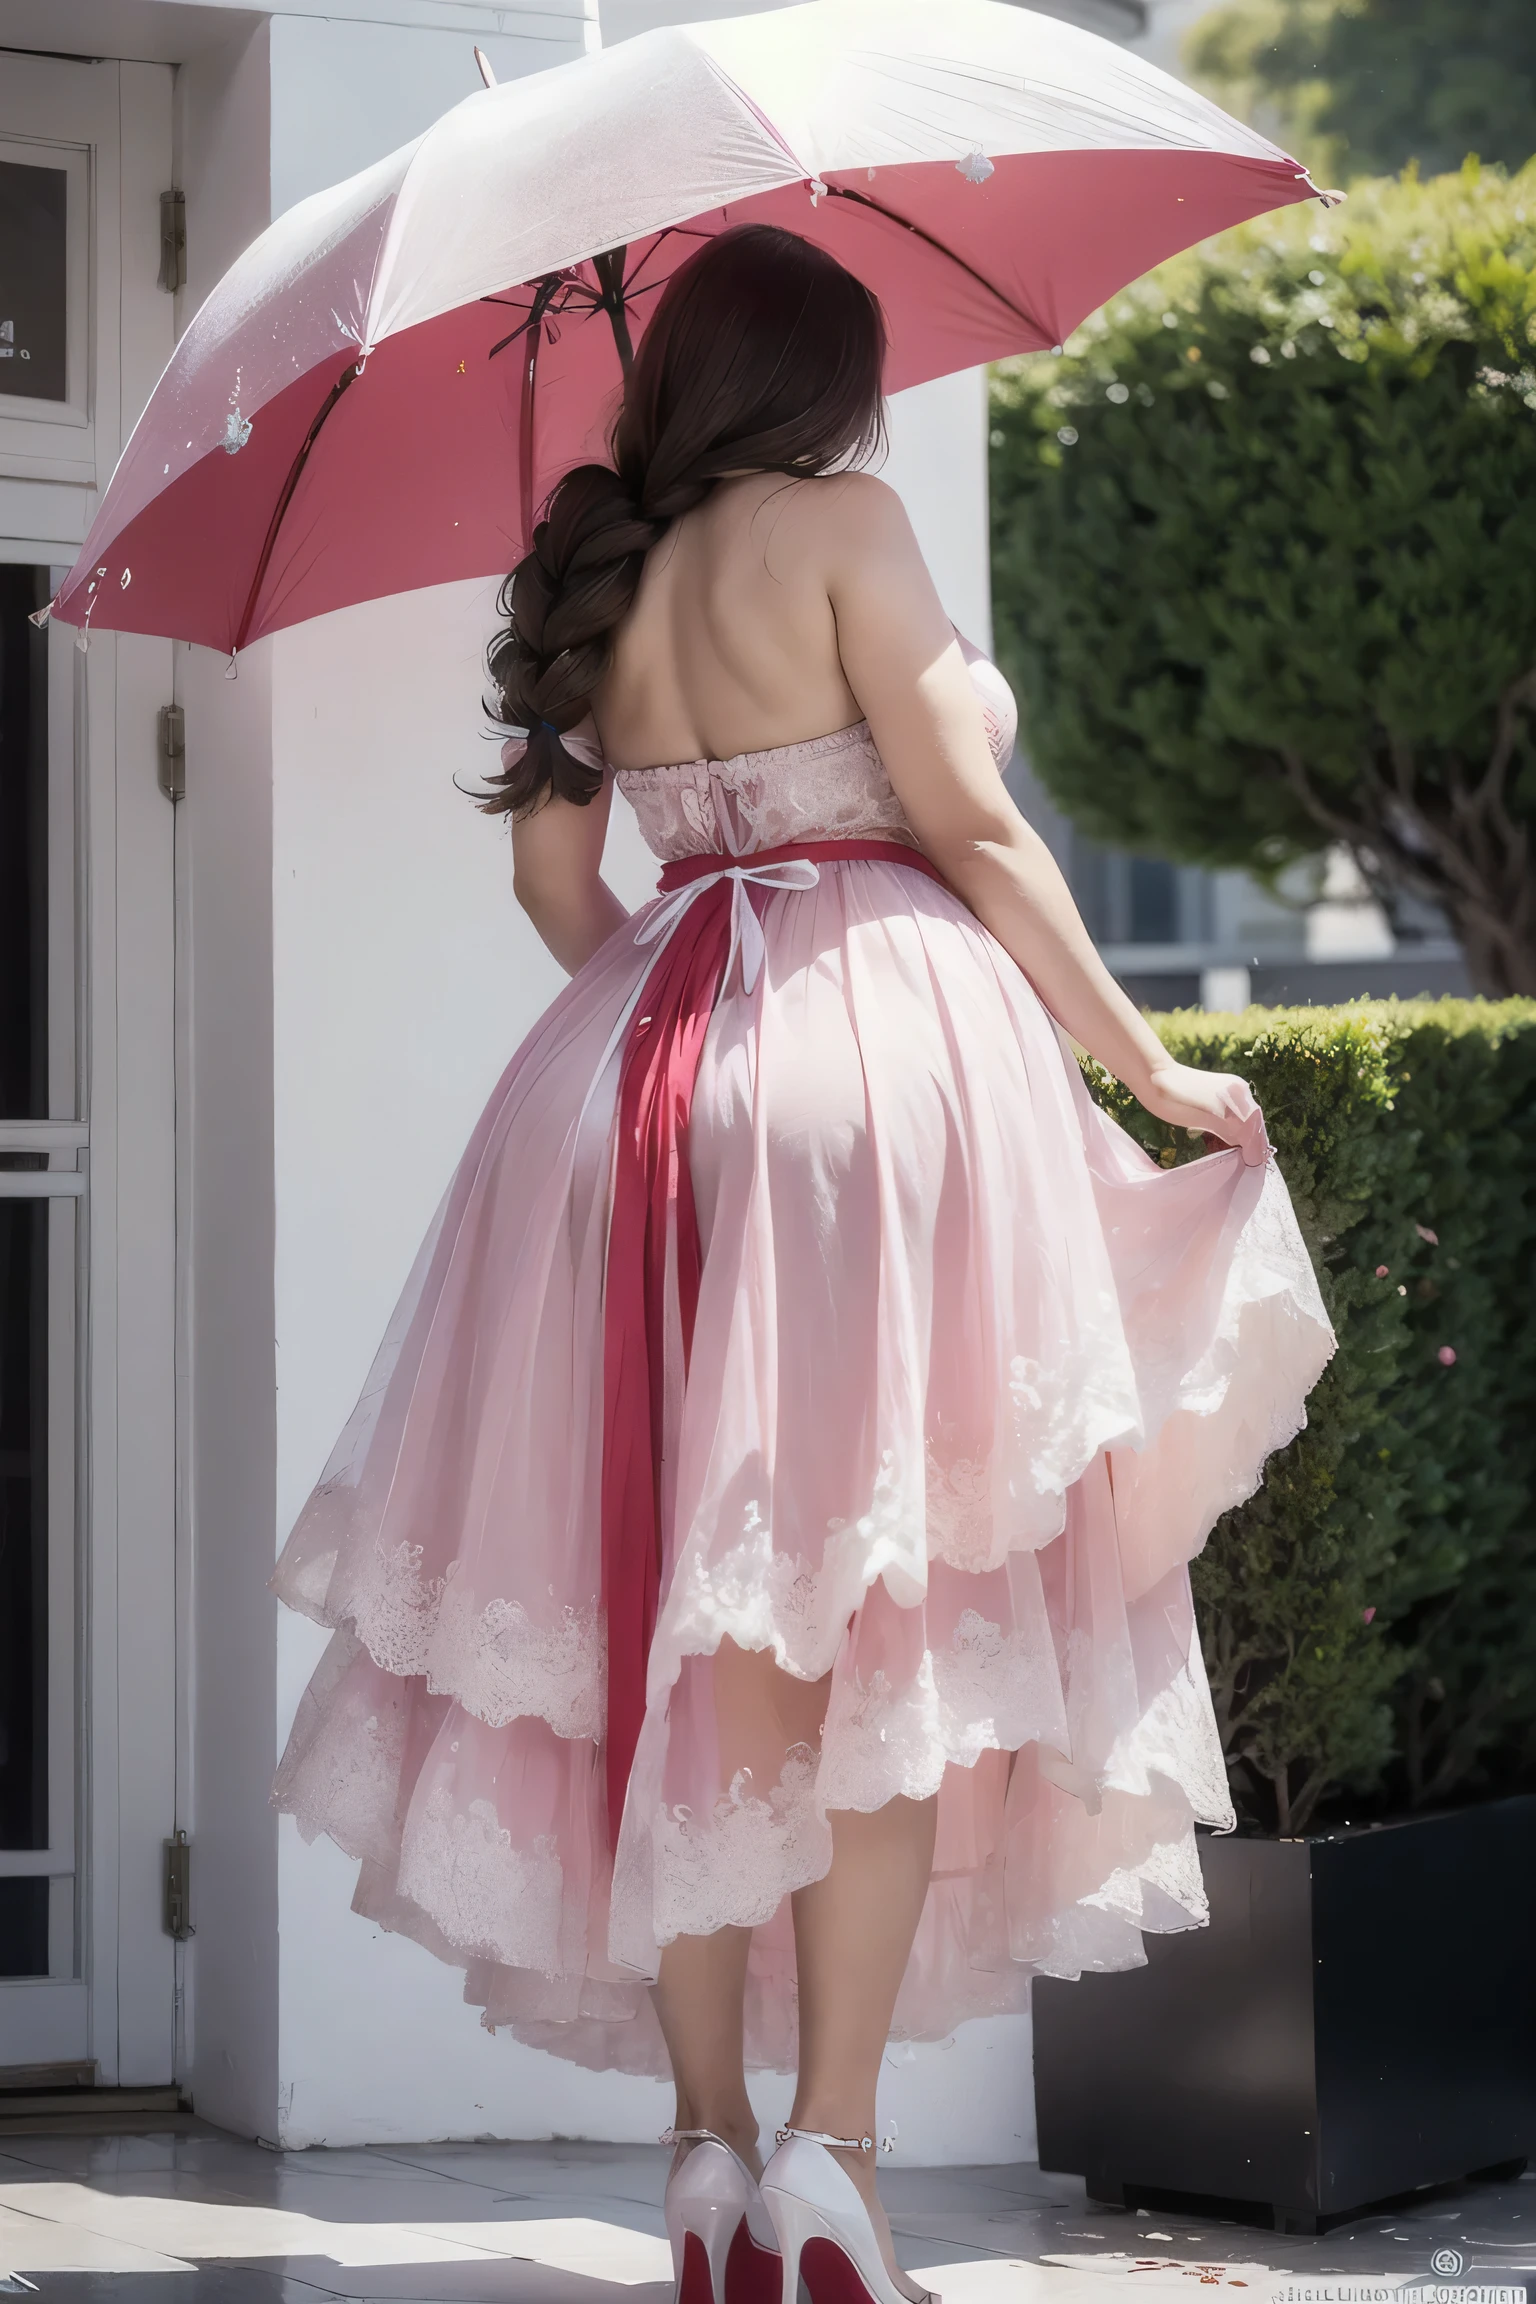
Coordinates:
[971,1378]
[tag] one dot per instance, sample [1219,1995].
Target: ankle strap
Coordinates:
[690,2136]
[836,2143]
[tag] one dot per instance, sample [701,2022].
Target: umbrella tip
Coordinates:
[484,62]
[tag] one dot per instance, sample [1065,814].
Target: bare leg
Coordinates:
[698,1997]
[853,1934]
[760,1714]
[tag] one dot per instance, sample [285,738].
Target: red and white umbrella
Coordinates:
[382,390]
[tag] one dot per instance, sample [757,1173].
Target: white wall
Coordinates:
[938,461]
[224,940]
[622,19]
[222,131]
[345,93]
[224,853]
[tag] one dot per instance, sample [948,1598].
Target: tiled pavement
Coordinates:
[203,2218]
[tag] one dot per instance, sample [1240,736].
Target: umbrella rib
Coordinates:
[551,285]
[285,498]
[862,200]
[612,294]
[521,329]
[667,232]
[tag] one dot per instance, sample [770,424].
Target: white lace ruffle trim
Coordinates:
[680,1872]
[493,1658]
[984,1691]
[491,1900]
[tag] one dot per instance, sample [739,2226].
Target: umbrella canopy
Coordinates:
[384,387]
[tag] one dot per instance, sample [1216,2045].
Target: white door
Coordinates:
[88,1554]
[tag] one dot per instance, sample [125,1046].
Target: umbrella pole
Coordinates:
[525,442]
[609,267]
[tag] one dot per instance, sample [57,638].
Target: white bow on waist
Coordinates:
[659,926]
[746,928]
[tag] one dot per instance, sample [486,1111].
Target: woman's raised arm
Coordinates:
[905,666]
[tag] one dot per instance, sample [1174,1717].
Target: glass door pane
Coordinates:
[41,1184]
[23,1577]
[23,845]
[34,310]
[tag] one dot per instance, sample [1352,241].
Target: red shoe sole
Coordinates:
[829,2276]
[695,2285]
[753,2275]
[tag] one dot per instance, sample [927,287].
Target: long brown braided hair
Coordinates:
[764,355]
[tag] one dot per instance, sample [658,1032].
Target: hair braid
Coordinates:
[763,355]
[562,603]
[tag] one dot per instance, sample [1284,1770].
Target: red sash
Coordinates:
[651,1181]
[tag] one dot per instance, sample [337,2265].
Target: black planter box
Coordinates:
[1358,2021]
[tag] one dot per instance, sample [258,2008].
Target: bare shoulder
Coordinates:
[823,531]
[840,504]
[847,524]
[855,509]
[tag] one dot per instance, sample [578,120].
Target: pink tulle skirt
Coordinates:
[970,1381]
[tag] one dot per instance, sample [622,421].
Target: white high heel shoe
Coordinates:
[824,2231]
[723,2249]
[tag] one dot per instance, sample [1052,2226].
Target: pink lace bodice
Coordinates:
[827,788]
[830,788]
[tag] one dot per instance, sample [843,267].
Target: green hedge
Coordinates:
[1263,563]
[1369,1616]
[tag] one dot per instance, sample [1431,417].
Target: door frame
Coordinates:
[113,1111]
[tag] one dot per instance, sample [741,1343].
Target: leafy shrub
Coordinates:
[1264,570]
[1377,83]
[1369,1617]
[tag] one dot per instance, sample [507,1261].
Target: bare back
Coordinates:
[731,645]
